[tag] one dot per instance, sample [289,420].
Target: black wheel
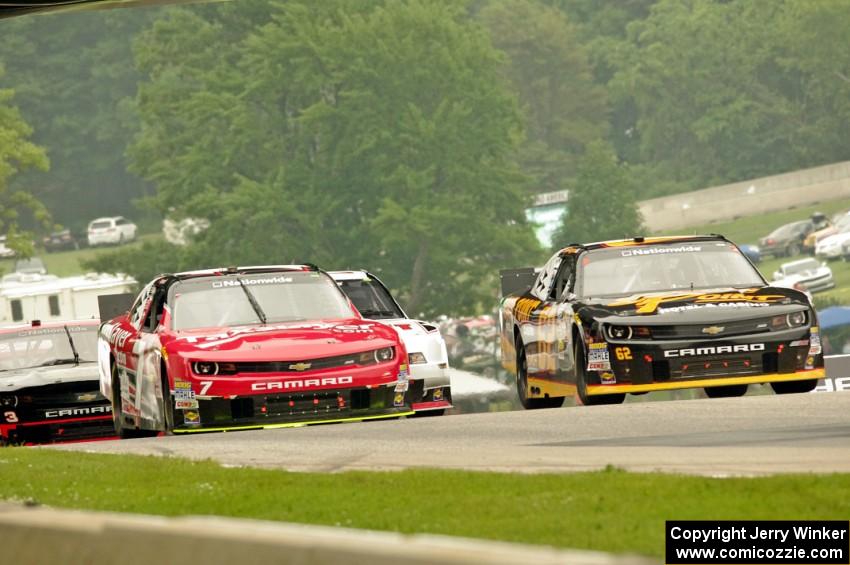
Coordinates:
[581,384]
[429,413]
[167,404]
[793,250]
[794,387]
[522,384]
[727,391]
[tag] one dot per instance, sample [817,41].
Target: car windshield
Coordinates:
[220,301]
[38,347]
[657,268]
[786,230]
[371,299]
[801,266]
[100,225]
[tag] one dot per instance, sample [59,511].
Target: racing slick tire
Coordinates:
[581,383]
[522,384]
[794,387]
[428,413]
[727,391]
[118,413]
[167,404]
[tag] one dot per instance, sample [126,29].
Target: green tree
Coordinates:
[347,134]
[547,67]
[74,81]
[602,203]
[17,153]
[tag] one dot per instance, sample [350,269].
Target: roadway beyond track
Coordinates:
[718,437]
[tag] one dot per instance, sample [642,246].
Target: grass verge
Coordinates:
[608,510]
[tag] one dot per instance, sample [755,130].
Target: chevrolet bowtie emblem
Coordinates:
[300,366]
[86,396]
[713,330]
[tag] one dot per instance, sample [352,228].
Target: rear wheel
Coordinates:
[522,384]
[794,387]
[581,383]
[727,391]
[793,250]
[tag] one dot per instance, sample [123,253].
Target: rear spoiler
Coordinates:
[517,281]
[112,305]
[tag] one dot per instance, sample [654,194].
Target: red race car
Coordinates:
[49,384]
[247,348]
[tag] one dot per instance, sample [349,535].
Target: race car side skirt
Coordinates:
[700,383]
[549,388]
[288,424]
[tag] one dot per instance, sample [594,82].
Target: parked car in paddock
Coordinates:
[5,251]
[426,349]
[49,384]
[646,314]
[248,348]
[110,231]
[752,252]
[808,273]
[832,246]
[62,240]
[786,240]
[824,228]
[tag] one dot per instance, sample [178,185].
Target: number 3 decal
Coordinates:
[11,417]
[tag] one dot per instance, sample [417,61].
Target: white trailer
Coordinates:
[24,298]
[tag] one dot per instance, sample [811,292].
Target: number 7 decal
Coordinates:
[205,386]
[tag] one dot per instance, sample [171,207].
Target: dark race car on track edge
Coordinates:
[49,384]
[247,348]
[605,319]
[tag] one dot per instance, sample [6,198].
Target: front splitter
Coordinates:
[290,424]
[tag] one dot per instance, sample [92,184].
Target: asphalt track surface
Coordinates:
[751,435]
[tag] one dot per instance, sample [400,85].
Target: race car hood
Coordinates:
[699,306]
[30,377]
[282,342]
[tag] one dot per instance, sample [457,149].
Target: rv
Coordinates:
[26,297]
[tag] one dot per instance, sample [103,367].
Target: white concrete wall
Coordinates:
[748,198]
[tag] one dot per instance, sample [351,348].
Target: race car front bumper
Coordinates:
[599,389]
[57,430]
[430,387]
[653,365]
[293,409]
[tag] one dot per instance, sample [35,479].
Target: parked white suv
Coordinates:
[5,251]
[115,230]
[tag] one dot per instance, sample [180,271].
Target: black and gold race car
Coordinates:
[604,319]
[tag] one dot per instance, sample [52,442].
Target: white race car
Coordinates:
[426,349]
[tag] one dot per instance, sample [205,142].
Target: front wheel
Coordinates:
[581,384]
[522,384]
[794,387]
[728,391]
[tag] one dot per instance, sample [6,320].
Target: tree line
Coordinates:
[408,137]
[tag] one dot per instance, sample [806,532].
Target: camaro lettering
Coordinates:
[717,350]
[66,412]
[303,383]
